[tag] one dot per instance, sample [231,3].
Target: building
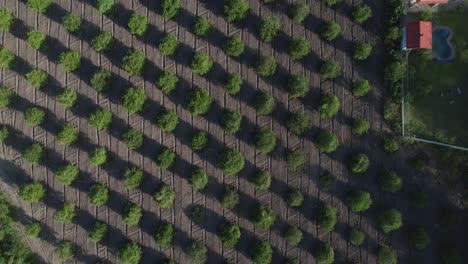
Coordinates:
[428,2]
[418,35]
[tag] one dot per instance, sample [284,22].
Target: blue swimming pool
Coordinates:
[441,46]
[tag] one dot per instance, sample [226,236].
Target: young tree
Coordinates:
[327,142]
[98,156]
[329,70]
[235,10]
[97,231]
[164,234]
[295,198]
[37,78]
[389,220]
[326,181]
[164,197]
[418,199]
[230,198]
[199,101]
[264,140]
[101,80]
[262,180]
[98,194]
[134,62]
[32,192]
[298,122]
[6,19]
[201,63]
[361,87]
[68,135]
[387,255]
[70,60]
[360,126]
[130,253]
[299,11]
[67,98]
[299,48]
[231,121]
[324,254]
[134,100]
[234,46]
[199,141]
[66,213]
[167,120]
[359,163]
[298,86]
[362,51]
[326,218]
[67,174]
[295,160]
[390,182]
[356,237]
[231,161]
[137,24]
[167,82]
[232,83]
[37,40]
[264,103]
[362,13]
[330,31]
[419,238]
[100,119]
[102,41]
[132,214]
[330,3]
[166,159]
[269,28]
[34,116]
[7,96]
[105,6]
[133,138]
[33,154]
[265,66]
[7,59]
[229,234]
[4,134]
[72,23]
[64,251]
[329,106]
[293,235]
[263,217]
[33,230]
[132,177]
[201,26]
[170,8]
[198,179]
[168,44]
[261,252]
[196,252]
[390,144]
[359,200]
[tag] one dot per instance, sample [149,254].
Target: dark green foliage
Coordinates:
[232,83]
[37,40]
[101,80]
[392,35]
[234,46]
[265,66]
[264,103]
[164,234]
[133,138]
[4,134]
[327,142]
[132,177]
[71,22]
[360,126]
[137,24]
[299,11]
[199,101]
[6,19]
[68,135]
[196,252]
[449,256]
[100,119]
[387,255]
[164,197]
[229,234]
[170,8]
[359,200]
[330,3]
[97,232]
[362,51]
[326,181]
[330,31]
[98,156]
[395,71]
[329,70]
[230,197]
[326,217]
[261,252]
[37,78]
[235,10]
[132,214]
[105,6]
[361,87]
[262,180]
[33,154]
[34,116]
[7,59]
[269,28]
[324,254]
[298,122]
[68,97]
[199,141]
[293,235]
[70,60]
[130,253]
[33,230]
[298,86]
[419,238]
[39,5]
[196,213]
[166,159]
[295,160]
[362,13]
[98,194]
[67,174]
[102,41]
[295,198]
[264,140]
[231,161]
[64,251]
[167,120]
[198,179]
[32,192]
[329,106]
[66,213]
[389,220]
[263,217]
[201,26]
[168,44]
[167,82]
[359,163]
[426,15]
[134,100]
[418,199]
[390,182]
[356,237]
[390,144]
[201,63]
[299,48]
[7,96]
[134,62]
[231,121]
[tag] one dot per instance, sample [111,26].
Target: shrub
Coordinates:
[359,201]
[33,230]
[389,220]
[262,180]
[130,253]
[356,237]
[390,145]
[7,59]
[295,160]
[326,218]
[37,40]
[360,126]
[327,142]
[134,62]
[329,70]
[231,121]
[134,100]
[66,213]
[361,88]
[40,6]
[329,106]
[199,141]
[418,199]
[229,234]
[269,28]
[298,86]
[326,181]
[166,159]
[34,116]
[330,31]
[264,140]
[98,194]
[426,15]
[196,213]
[235,10]
[101,80]
[198,179]
[298,122]
[231,161]
[97,232]
[330,3]
[4,134]
[167,82]
[230,197]
[164,197]
[263,217]
[132,177]
[68,97]
[201,63]
[390,182]
[266,66]
[234,46]
[98,156]
[102,41]
[105,6]
[100,119]
[362,51]
[167,120]
[71,22]
[132,214]
[201,26]
[295,198]
[33,154]
[168,44]
[68,135]
[64,251]
[164,234]
[299,11]
[6,19]
[170,8]
[133,138]
[70,60]
[196,252]
[299,48]
[37,78]
[387,255]
[394,71]
[359,163]
[261,252]
[324,254]
[67,174]
[7,96]
[362,13]
[264,103]
[232,83]
[293,235]
[199,101]
[419,238]
[32,192]
[137,24]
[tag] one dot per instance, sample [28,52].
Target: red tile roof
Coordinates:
[419,35]
[431,2]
